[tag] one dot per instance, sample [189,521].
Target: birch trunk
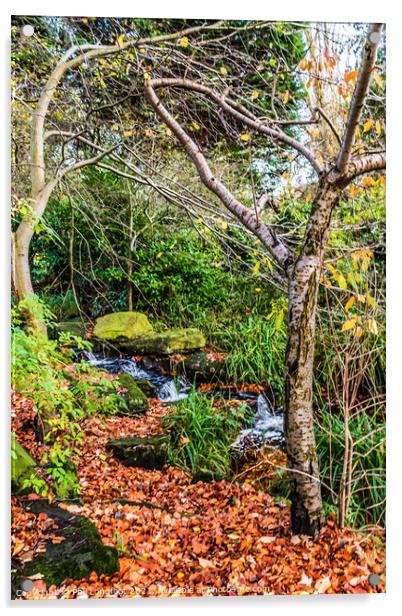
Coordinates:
[307,513]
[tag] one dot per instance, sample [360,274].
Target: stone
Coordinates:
[166,343]
[79,554]
[22,465]
[122,326]
[203,367]
[148,452]
[74,327]
[135,399]
[147,388]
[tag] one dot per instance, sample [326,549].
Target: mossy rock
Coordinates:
[135,399]
[166,343]
[147,388]
[22,465]
[74,327]
[148,452]
[81,552]
[122,326]
[202,368]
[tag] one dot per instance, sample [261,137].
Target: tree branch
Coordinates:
[247,216]
[359,95]
[240,113]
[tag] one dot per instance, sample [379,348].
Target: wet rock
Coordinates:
[147,388]
[122,327]
[148,452]
[76,556]
[166,343]
[135,399]
[203,367]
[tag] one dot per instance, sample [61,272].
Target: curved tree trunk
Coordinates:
[307,513]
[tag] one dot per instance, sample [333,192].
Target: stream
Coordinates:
[267,427]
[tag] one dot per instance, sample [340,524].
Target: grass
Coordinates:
[201,434]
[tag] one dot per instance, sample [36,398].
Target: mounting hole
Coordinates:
[374,579]
[27,585]
[27,30]
[374,37]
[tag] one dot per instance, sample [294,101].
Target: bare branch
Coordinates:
[359,96]
[240,113]
[247,216]
[373,162]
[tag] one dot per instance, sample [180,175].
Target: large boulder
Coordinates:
[135,399]
[79,552]
[148,452]
[166,343]
[22,465]
[122,327]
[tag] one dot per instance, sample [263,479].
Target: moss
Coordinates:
[168,342]
[148,452]
[135,399]
[22,465]
[76,328]
[81,552]
[122,326]
[147,388]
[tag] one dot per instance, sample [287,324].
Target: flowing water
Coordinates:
[267,426]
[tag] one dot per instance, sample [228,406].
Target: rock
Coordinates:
[166,343]
[147,388]
[22,465]
[74,327]
[203,367]
[148,452]
[77,556]
[135,399]
[122,326]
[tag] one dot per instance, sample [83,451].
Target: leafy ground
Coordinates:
[182,538]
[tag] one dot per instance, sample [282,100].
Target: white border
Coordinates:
[340,10]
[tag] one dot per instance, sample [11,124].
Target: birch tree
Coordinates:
[300,267]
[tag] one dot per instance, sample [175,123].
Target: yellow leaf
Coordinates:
[320,159]
[372,326]
[286,97]
[256,268]
[257,290]
[367,181]
[120,39]
[351,76]
[223,70]
[245,137]
[195,125]
[367,125]
[378,79]
[315,133]
[342,282]
[127,133]
[372,301]
[350,303]
[378,127]
[361,298]
[358,331]
[147,76]
[183,41]
[350,324]
[254,95]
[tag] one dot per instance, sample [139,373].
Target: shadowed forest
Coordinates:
[198,308]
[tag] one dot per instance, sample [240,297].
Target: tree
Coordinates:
[301,268]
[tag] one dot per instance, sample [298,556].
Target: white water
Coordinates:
[267,427]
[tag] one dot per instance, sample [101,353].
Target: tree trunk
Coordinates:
[307,513]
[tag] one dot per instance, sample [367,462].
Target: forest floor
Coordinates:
[217,538]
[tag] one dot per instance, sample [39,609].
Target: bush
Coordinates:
[63,392]
[202,432]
